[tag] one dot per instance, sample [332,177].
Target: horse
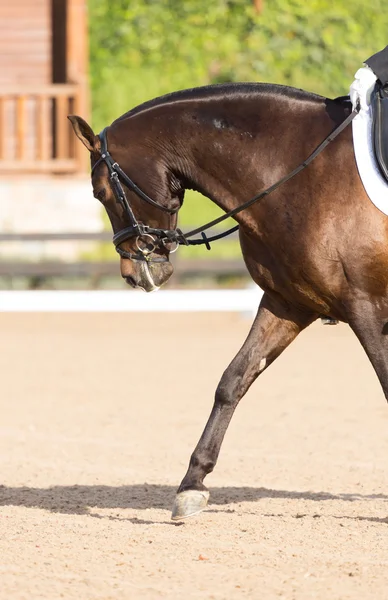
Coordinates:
[316,246]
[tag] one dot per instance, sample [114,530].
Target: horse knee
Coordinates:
[226,392]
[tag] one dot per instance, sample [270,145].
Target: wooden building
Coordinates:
[43,78]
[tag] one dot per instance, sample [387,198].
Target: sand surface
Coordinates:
[98,417]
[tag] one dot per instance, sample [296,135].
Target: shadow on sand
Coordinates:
[79,499]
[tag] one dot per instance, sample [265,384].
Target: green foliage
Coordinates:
[140,49]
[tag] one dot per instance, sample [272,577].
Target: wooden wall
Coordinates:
[25,42]
[43,78]
[77,52]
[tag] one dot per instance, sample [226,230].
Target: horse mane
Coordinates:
[225,90]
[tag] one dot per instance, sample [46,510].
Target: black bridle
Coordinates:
[141,231]
[163,237]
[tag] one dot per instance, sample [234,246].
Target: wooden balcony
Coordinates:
[35,134]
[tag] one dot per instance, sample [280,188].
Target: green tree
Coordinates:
[140,49]
[144,48]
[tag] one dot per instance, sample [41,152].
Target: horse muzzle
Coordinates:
[147,276]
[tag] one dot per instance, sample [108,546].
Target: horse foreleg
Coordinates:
[369,321]
[272,331]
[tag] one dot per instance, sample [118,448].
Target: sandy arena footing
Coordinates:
[99,415]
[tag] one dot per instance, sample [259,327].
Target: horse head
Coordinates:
[142,210]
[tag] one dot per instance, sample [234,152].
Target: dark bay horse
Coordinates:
[316,246]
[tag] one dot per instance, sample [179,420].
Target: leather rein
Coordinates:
[154,238]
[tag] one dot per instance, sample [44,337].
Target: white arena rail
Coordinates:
[242,300]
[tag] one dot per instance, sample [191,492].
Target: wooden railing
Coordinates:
[35,134]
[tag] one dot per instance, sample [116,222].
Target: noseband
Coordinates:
[151,237]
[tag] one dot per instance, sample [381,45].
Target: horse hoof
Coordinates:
[189,503]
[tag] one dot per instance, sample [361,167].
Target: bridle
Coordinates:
[161,238]
[152,236]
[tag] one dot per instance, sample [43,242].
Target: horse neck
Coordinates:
[233,153]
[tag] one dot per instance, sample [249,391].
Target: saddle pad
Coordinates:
[374,183]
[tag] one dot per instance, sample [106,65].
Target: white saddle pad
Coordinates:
[374,183]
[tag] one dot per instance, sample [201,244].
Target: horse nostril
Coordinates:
[130,280]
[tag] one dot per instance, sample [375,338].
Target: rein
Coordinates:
[161,237]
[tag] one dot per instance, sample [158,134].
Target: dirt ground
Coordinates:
[98,417]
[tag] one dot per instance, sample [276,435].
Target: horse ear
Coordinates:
[83,131]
